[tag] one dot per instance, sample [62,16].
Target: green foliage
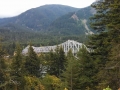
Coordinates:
[106,43]
[107,88]
[67,25]
[3,67]
[57,62]
[17,71]
[87,70]
[33,83]
[71,74]
[42,29]
[90,70]
[37,38]
[32,63]
[61,60]
[39,18]
[52,83]
[17,62]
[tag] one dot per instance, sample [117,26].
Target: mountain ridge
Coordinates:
[41,16]
[64,24]
[73,23]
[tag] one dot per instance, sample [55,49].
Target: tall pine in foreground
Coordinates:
[62,61]
[17,62]
[57,62]
[71,74]
[17,68]
[87,70]
[32,64]
[107,22]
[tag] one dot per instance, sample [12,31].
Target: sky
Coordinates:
[10,8]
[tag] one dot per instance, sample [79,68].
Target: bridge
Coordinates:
[70,44]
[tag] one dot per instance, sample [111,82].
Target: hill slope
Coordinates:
[39,18]
[74,23]
[52,26]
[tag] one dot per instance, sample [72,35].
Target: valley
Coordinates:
[46,25]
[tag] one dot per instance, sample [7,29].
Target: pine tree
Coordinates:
[3,67]
[87,70]
[113,67]
[107,18]
[107,22]
[53,63]
[71,74]
[32,64]
[62,61]
[17,68]
[17,61]
[57,62]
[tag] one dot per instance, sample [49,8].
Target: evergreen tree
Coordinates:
[71,75]
[62,61]
[3,67]
[53,63]
[113,67]
[32,64]
[32,83]
[114,27]
[17,67]
[57,62]
[51,82]
[87,70]
[17,61]
[106,20]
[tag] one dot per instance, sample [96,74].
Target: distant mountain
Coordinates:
[47,25]
[39,18]
[73,23]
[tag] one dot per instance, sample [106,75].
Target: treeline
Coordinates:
[9,37]
[15,34]
[26,72]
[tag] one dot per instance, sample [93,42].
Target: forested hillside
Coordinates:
[39,18]
[63,24]
[46,25]
[73,23]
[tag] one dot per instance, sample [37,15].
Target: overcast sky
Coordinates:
[10,8]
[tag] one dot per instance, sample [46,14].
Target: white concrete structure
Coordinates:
[70,44]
